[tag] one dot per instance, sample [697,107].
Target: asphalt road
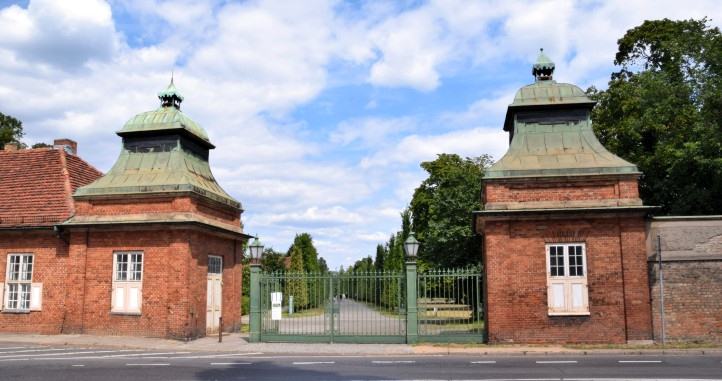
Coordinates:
[73,363]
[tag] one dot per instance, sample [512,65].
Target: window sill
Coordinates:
[125,313]
[6,311]
[569,313]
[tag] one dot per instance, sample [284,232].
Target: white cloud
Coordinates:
[370,132]
[61,34]
[417,148]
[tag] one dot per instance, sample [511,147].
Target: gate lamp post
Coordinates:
[256,250]
[411,247]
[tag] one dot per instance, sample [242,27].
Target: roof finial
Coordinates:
[543,68]
[170,97]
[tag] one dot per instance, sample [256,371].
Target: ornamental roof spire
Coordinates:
[170,97]
[543,68]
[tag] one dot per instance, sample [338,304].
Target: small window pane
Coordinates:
[576,261]
[556,260]
[214,265]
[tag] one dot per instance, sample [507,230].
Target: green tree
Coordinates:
[273,261]
[322,265]
[663,111]
[441,208]
[304,242]
[41,145]
[11,130]
[296,282]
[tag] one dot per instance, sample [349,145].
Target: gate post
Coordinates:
[255,329]
[412,323]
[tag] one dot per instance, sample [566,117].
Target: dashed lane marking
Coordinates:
[148,364]
[231,363]
[218,355]
[313,362]
[78,365]
[639,361]
[484,362]
[394,362]
[557,362]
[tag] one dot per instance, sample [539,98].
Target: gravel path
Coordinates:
[354,318]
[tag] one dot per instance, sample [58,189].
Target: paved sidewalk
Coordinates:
[238,343]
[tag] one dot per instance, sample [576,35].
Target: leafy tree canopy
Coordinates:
[273,261]
[11,130]
[441,208]
[663,112]
[304,243]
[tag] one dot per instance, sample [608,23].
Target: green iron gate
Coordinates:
[373,307]
[339,308]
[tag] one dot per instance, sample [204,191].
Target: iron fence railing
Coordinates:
[450,303]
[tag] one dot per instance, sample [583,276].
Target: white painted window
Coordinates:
[127,294]
[19,292]
[567,279]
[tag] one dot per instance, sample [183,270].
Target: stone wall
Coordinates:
[692,272]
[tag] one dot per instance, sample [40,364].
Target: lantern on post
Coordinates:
[256,250]
[411,247]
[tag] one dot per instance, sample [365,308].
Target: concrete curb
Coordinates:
[237,343]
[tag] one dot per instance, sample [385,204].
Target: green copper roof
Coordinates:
[555,136]
[559,149]
[158,172]
[550,93]
[164,118]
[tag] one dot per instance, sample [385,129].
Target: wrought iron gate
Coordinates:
[330,307]
[373,307]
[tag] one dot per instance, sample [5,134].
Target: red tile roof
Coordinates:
[36,186]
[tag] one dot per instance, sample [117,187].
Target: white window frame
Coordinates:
[567,295]
[19,293]
[127,293]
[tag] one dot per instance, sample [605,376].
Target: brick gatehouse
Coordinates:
[151,248]
[563,227]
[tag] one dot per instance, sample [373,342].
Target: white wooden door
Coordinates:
[214,293]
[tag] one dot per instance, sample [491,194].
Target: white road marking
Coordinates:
[394,362]
[231,363]
[312,362]
[59,354]
[23,359]
[218,355]
[639,361]
[38,350]
[78,365]
[134,355]
[149,364]
[6,348]
[557,362]
[484,362]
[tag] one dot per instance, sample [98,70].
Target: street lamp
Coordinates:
[256,250]
[411,247]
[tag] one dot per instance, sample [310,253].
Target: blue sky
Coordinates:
[321,111]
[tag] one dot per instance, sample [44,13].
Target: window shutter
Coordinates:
[556,296]
[36,297]
[579,300]
[118,298]
[134,298]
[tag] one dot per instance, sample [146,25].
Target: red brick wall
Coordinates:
[203,245]
[162,204]
[692,300]
[49,265]
[174,282]
[515,267]
[539,190]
